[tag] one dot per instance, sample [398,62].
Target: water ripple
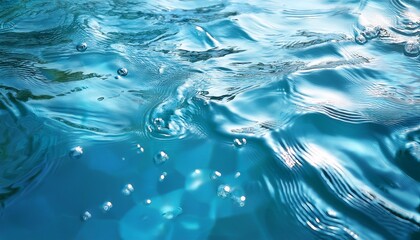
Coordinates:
[25,149]
[223,119]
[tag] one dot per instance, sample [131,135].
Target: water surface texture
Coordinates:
[210,119]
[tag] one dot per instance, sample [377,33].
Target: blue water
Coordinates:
[218,119]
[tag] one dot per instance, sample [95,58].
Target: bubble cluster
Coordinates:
[223,191]
[235,194]
[106,206]
[160,158]
[239,200]
[81,47]
[86,216]
[122,71]
[371,32]
[127,189]
[76,152]
[159,123]
[360,39]
[412,49]
[140,149]
[383,32]
[239,142]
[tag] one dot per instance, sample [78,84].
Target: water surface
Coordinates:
[210,119]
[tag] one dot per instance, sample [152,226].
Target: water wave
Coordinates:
[209,120]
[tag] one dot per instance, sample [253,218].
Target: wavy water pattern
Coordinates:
[210,119]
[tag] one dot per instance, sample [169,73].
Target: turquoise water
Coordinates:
[210,119]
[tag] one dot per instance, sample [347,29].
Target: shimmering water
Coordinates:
[210,119]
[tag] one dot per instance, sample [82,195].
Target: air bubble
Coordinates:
[127,189]
[81,47]
[203,93]
[371,32]
[239,200]
[140,149]
[106,206]
[86,216]
[159,123]
[412,49]
[215,175]
[76,152]
[223,191]
[237,174]
[360,39]
[383,32]
[162,176]
[172,214]
[122,71]
[239,142]
[161,158]
[147,202]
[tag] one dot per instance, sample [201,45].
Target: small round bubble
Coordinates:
[161,158]
[106,206]
[122,71]
[412,49]
[127,189]
[162,176]
[81,47]
[86,216]
[76,152]
[147,202]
